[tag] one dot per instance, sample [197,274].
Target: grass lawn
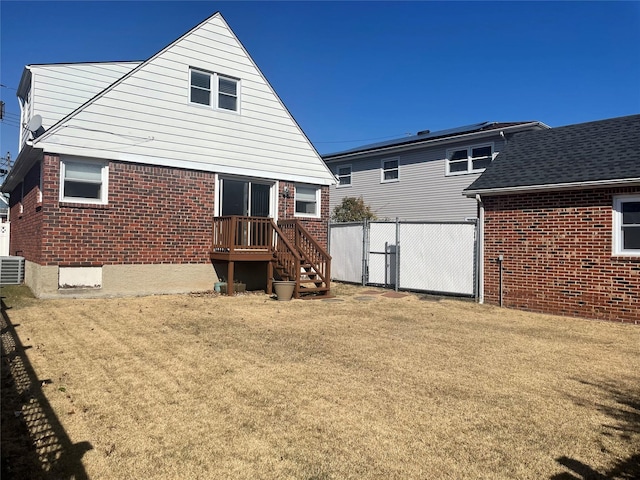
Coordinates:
[365,386]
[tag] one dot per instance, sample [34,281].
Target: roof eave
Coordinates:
[25,160]
[435,141]
[552,187]
[25,83]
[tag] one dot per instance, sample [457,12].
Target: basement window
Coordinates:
[83,181]
[626,225]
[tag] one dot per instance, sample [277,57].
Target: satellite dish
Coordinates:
[34,123]
[35,126]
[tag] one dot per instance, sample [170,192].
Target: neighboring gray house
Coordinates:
[422,177]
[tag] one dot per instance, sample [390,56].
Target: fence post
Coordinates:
[397,253]
[365,252]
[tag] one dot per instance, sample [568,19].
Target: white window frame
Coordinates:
[384,169]
[104,181]
[344,175]
[618,249]
[318,211]
[273,193]
[214,90]
[470,159]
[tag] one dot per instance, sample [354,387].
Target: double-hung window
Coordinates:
[389,170]
[626,224]
[344,176]
[83,181]
[307,201]
[214,90]
[472,159]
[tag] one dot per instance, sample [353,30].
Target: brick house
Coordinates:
[560,219]
[152,176]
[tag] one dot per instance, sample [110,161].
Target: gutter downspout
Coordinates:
[480,249]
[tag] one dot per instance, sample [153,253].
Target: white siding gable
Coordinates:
[57,90]
[146,117]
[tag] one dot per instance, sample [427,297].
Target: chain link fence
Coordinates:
[419,256]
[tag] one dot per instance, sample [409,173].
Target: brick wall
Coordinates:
[26,217]
[154,215]
[319,228]
[557,249]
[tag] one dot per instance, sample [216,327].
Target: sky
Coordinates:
[353,73]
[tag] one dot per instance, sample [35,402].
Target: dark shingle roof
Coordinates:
[427,135]
[601,151]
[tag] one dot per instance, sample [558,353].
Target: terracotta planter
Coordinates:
[284,289]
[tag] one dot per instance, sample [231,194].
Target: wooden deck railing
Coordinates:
[286,245]
[234,233]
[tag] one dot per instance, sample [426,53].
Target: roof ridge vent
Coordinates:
[424,132]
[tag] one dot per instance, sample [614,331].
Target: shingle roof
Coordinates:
[585,153]
[427,135]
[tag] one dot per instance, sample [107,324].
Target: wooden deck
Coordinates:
[290,251]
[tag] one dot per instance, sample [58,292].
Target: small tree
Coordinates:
[352,209]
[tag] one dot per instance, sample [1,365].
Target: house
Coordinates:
[165,175]
[561,221]
[421,177]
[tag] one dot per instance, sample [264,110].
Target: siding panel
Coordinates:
[147,116]
[53,97]
[423,192]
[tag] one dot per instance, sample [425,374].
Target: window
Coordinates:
[214,90]
[469,160]
[83,181]
[344,176]
[626,221]
[307,201]
[390,171]
[200,88]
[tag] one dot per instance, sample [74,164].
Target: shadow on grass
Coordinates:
[34,443]
[625,425]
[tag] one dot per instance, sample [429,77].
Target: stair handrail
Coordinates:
[324,256]
[292,268]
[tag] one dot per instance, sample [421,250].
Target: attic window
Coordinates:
[214,90]
[473,159]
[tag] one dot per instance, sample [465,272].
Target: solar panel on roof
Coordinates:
[414,138]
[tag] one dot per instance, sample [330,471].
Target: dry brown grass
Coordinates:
[201,387]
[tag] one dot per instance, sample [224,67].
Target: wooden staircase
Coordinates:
[290,250]
[311,270]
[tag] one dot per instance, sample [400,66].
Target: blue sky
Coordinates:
[353,73]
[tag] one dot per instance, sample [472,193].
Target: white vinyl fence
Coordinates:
[5,235]
[420,256]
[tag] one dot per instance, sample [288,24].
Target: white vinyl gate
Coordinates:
[421,256]
[5,230]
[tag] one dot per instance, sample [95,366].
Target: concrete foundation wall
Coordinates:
[125,280]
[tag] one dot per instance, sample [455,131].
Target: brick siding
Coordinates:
[27,217]
[154,215]
[557,249]
[319,227]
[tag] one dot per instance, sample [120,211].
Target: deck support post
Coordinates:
[230,278]
[269,278]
